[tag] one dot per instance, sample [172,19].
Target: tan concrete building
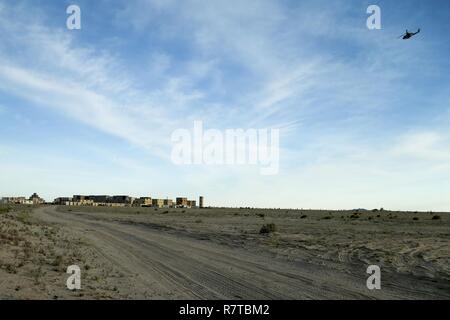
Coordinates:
[158,203]
[121,199]
[61,201]
[191,204]
[109,204]
[14,200]
[101,201]
[36,199]
[84,202]
[142,202]
[99,198]
[79,198]
[168,203]
[181,202]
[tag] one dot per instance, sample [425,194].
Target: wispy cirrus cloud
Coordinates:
[341,94]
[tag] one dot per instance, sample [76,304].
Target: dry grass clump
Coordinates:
[268,228]
[4,209]
[30,249]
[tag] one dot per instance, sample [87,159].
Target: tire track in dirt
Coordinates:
[197,278]
[173,265]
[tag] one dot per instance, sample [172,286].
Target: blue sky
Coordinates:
[364,117]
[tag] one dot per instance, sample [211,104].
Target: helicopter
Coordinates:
[408,34]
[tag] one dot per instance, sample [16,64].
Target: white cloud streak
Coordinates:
[264,68]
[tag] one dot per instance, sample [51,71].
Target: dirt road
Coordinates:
[158,262]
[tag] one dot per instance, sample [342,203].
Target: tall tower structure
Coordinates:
[200,201]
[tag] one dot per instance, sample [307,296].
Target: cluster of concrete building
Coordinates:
[127,201]
[33,200]
[108,201]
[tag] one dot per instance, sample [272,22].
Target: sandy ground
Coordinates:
[143,253]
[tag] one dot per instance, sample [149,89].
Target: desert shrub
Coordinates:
[5,209]
[58,261]
[165,212]
[262,215]
[436,217]
[303,216]
[268,228]
[327,218]
[415,218]
[10,268]
[24,217]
